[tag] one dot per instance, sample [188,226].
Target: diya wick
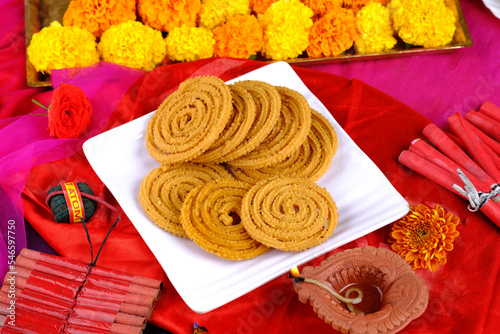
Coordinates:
[294,273]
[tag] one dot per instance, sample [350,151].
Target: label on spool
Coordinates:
[74,202]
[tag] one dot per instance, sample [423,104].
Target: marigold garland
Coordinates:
[190,43]
[424,235]
[375,26]
[132,44]
[321,7]
[260,6]
[56,47]
[286,25]
[427,23]
[215,12]
[332,34]
[97,16]
[165,15]
[239,37]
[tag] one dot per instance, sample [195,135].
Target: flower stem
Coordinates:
[39,104]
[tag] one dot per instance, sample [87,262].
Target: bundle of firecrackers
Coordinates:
[465,160]
[50,294]
[144,34]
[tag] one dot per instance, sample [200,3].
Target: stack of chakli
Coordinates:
[52,294]
[238,168]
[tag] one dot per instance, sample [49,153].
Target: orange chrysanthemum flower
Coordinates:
[424,235]
[332,34]
[239,37]
[97,16]
[166,15]
[260,6]
[321,7]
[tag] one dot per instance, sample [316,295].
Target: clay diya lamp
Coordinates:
[383,292]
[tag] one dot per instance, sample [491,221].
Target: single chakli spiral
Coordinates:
[189,121]
[211,217]
[290,214]
[268,104]
[311,160]
[287,135]
[165,188]
[240,123]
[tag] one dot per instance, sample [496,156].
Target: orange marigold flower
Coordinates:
[165,15]
[97,16]
[260,6]
[321,7]
[332,34]
[239,37]
[424,235]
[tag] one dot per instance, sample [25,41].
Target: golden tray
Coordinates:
[40,13]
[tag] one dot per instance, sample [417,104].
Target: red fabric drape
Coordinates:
[462,293]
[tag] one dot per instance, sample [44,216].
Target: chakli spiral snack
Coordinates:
[290,214]
[210,216]
[164,189]
[190,120]
[289,132]
[269,138]
[241,120]
[268,103]
[311,160]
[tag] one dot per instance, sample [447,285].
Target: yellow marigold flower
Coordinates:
[374,23]
[321,7]
[239,37]
[215,12]
[190,43]
[424,235]
[97,16]
[165,15]
[286,25]
[56,47]
[459,35]
[332,34]
[260,6]
[428,23]
[133,44]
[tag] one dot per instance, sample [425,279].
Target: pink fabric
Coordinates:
[26,142]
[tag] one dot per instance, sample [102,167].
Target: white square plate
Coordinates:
[365,199]
[493,6]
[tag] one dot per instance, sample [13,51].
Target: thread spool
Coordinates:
[60,207]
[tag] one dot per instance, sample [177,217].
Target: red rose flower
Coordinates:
[70,112]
